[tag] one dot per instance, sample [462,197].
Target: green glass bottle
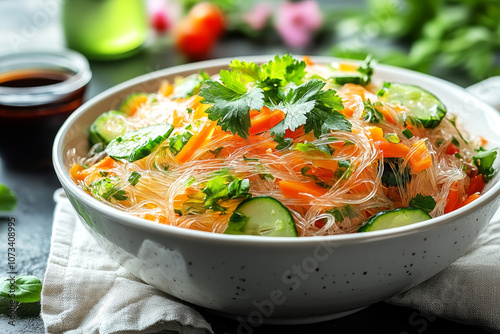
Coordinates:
[105,29]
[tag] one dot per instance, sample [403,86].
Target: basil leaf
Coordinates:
[23,289]
[8,199]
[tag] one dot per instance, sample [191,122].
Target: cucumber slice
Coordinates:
[264,216]
[107,127]
[424,107]
[394,218]
[140,143]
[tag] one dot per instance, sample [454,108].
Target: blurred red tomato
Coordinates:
[197,33]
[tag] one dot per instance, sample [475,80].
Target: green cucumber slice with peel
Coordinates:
[424,107]
[394,218]
[263,216]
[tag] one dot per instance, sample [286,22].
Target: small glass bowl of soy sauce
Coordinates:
[38,91]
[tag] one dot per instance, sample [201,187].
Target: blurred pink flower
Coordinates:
[296,22]
[258,16]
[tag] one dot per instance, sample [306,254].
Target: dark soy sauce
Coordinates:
[27,130]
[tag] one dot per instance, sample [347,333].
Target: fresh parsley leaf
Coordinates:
[426,203]
[231,109]
[484,160]
[8,199]
[284,68]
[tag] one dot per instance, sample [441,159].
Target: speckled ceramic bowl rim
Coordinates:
[142,224]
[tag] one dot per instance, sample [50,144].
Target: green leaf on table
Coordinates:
[8,199]
[23,289]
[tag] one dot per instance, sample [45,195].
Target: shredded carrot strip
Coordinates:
[420,158]
[307,60]
[301,190]
[452,201]
[471,198]
[265,120]
[198,140]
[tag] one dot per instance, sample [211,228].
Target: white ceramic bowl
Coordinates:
[279,279]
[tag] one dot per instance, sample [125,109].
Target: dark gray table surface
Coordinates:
[34,188]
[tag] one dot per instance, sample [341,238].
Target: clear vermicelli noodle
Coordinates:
[332,146]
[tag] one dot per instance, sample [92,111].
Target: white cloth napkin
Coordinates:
[468,291]
[85,291]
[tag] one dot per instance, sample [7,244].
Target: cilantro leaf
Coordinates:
[309,105]
[223,187]
[231,109]
[484,160]
[426,203]
[285,68]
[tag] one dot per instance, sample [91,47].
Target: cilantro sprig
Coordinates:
[278,84]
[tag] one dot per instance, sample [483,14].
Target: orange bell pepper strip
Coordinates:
[476,185]
[420,158]
[392,150]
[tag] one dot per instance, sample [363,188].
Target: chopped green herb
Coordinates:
[249,159]
[224,187]
[484,160]
[371,114]
[384,89]
[107,188]
[455,141]
[426,203]
[177,142]
[134,178]
[190,180]
[407,133]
